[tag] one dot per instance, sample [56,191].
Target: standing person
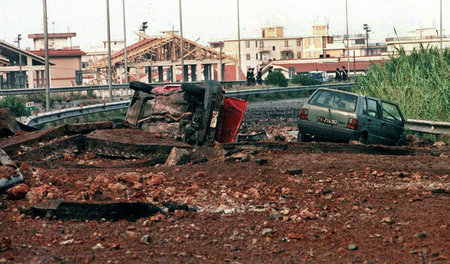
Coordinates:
[259,76]
[270,69]
[248,76]
[252,76]
[344,74]
[337,76]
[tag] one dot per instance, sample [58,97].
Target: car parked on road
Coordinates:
[343,116]
[320,76]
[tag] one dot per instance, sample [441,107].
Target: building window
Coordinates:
[256,56]
[299,42]
[261,44]
[247,44]
[360,41]
[247,56]
[299,55]
[273,47]
[256,43]
[286,43]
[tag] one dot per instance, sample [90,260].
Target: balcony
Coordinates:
[264,49]
[417,38]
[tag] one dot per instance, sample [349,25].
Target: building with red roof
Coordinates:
[67,70]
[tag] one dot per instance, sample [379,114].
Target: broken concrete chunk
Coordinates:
[178,157]
[84,128]
[18,192]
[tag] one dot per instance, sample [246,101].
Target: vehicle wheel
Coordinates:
[363,137]
[302,137]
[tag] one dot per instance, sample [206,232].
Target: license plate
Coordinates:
[327,120]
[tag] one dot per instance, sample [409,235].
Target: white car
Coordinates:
[320,76]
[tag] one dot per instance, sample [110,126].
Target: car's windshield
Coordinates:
[335,100]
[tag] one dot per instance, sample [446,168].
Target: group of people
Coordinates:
[341,75]
[251,77]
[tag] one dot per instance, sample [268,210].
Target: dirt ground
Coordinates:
[343,207]
[266,202]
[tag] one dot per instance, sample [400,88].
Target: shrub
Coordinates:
[276,78]
[419,82]
[15,105]
[304,80]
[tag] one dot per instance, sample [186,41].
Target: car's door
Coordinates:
[392,122]
[372,118]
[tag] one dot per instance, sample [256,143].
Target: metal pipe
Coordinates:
[109,51]
[125,43]
[239,43]
[181,45]
[348,45]
[47,68]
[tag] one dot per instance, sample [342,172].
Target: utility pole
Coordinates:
[239,43]
[348,46]
[367,29]
[19,38]
[47,68]
[181,47]
[125,43]
[109,52]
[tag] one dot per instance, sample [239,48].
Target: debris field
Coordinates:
[94,193]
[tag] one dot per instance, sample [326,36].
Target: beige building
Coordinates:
[67,58]
[273,46]
[428,37]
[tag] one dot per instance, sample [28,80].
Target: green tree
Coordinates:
[276,78]
[15,105]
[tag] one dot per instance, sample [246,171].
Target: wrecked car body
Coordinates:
[190,113]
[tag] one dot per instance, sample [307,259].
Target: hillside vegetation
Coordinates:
[418,82]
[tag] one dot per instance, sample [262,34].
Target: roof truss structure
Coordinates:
[165,49]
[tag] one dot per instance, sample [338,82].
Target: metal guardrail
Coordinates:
[52,116]
[5,92]
[428,127]
[289,89]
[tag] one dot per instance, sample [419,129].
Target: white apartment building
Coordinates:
[428,37]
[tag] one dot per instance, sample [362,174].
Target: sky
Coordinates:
[209,20]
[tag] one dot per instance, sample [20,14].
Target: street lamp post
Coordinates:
[239,44]
[47,68]
[367,29]
[181,45]
[125,42]
[348,45]
[109,51]
[19,38]
[441,30]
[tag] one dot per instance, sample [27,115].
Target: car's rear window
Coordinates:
[335,100]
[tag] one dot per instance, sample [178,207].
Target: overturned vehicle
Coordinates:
[190,113]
